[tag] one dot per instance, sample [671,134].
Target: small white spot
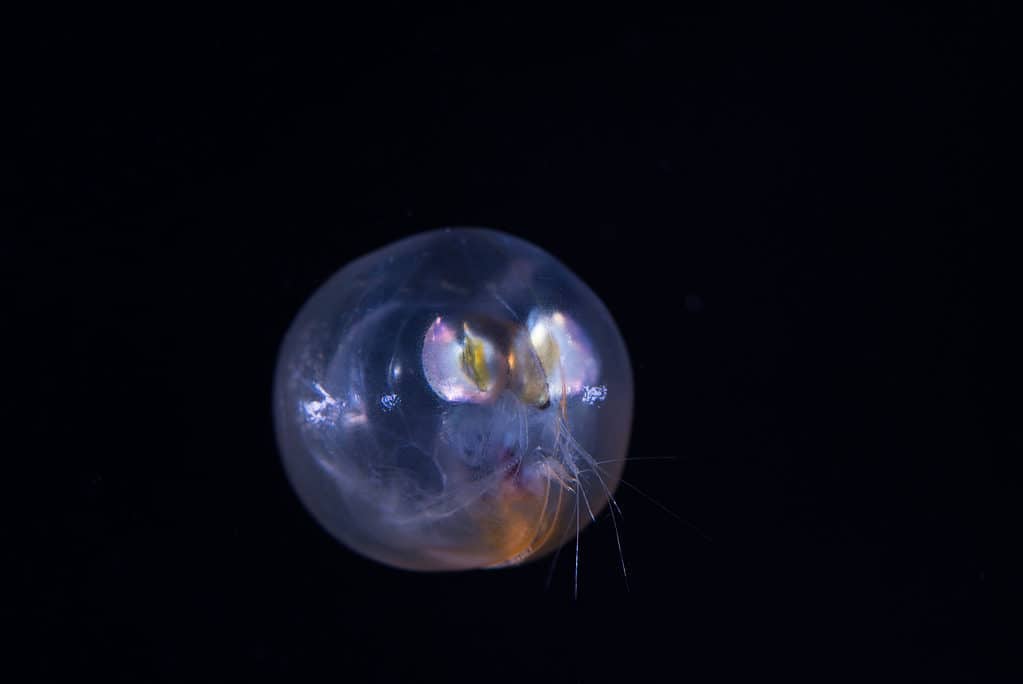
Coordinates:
[594,395]
[388,402]
[321,411]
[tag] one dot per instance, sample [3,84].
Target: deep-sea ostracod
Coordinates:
[458,399]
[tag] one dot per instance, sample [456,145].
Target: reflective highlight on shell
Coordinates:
[458,399]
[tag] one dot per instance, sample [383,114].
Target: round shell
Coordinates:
[458,399]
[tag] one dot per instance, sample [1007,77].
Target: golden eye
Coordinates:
[564,350]
[474,360]
[466,367]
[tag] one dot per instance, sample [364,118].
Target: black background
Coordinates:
[782,209]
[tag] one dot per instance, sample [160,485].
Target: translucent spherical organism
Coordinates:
[458,399]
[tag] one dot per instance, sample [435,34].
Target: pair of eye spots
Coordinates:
[546,359]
